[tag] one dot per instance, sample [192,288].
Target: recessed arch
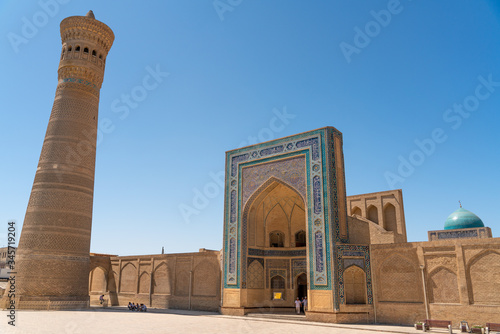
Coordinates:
[161,279]
[251,209]
[206,279]
[483,273]
[300,239]
[128,278]
[301,285]
[98,279]
[399,273]
[255,275]
[182,281]
[275,206]
[372,213]
[443,286]
[268,186]
[278,287]
[356,211]
[276,239]
[390,219]
[144,282]
[355,285]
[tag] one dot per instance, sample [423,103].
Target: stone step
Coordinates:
[280,316]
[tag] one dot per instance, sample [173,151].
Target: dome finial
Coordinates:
[460,203]
[90,14]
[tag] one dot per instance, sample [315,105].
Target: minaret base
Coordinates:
[52,303]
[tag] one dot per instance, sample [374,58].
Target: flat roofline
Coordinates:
[270,141]
[167,254]
[377,192]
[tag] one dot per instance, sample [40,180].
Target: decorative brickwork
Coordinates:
[464,233]
[255,275]
[55,240]
[277,267]
[357,255]
[306,163]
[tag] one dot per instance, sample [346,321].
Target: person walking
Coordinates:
[297,305]
[304,304]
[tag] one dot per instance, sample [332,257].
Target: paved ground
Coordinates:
[119,320]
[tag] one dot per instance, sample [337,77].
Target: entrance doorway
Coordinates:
[302,286]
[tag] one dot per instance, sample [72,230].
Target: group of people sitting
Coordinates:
[137,307]
[301,305]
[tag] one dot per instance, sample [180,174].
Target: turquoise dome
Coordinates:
[462,219]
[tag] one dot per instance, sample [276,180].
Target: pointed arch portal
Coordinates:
[285,208]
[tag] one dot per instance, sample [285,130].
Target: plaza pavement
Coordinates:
[120,320]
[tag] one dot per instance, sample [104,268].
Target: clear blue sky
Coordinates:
[385,73]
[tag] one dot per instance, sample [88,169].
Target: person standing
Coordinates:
[101,299]
[304,304]
[297,305]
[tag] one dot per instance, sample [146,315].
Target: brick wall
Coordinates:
[161,281]
[462,281]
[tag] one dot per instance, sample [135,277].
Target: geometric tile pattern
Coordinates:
[255,275]
[304,162]
[299,266]
[291,171]
[278,267]
[358,255]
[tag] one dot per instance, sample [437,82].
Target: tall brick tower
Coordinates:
[52,260]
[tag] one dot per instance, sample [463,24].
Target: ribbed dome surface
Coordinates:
[462,219]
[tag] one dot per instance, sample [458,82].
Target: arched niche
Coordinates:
[128,278]
[277,207]
[443,286]
[372,213]
[161,279]
[483,273]
[399,280]
[98,281]
[356,211]
[144,282]
[278,287]
[355,285]
[206,279]
[390,219]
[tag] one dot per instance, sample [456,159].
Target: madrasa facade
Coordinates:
[289,231]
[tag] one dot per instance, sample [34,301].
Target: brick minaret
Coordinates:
[52,260]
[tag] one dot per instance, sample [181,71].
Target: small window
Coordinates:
[100,56]
[86,50]
[300,239]
[94,53]
[77,49]
[276,239]
[69,48]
